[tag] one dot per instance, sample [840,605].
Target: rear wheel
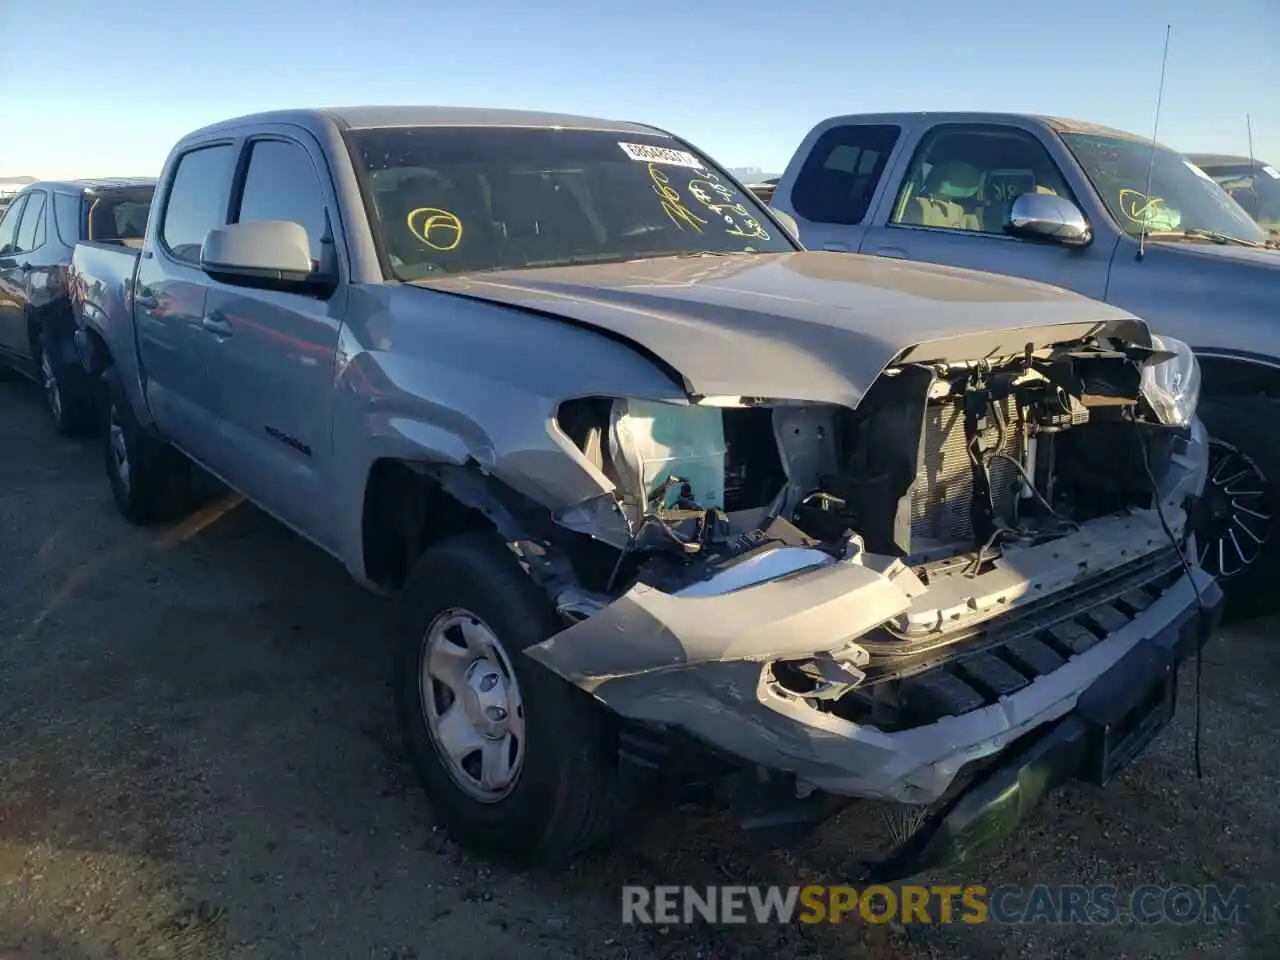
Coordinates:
[518,764]
[67,388]
[1244,501]
[148,478]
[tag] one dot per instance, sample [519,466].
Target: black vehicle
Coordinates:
[38,231]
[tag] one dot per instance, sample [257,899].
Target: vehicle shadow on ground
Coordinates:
[199,750]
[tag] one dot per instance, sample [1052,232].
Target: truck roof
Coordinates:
[96,184]
[1058,124]
[359,118]
[1222,160]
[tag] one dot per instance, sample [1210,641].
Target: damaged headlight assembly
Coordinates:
[1172,387]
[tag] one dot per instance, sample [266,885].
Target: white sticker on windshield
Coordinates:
[650,154]
[1271,172]
[1198,172]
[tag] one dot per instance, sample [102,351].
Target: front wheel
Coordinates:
[1243,499]
[518,764]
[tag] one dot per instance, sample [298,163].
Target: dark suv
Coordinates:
[38,231]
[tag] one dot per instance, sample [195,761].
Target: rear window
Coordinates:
[842,171]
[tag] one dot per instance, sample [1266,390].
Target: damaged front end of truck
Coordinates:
[940,602]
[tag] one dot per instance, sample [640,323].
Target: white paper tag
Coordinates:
[650,154]
[1271,172]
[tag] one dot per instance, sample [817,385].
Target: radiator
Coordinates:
[944,478]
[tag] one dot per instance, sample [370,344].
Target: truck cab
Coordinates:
[1068,203]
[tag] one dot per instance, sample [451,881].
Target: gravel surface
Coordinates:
[198,759]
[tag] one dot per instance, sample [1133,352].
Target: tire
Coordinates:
[1245,450]
[566,795]
[148,477]
[68,389]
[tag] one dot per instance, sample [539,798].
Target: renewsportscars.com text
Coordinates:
[936,903]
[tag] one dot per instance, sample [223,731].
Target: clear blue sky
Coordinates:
[106,86]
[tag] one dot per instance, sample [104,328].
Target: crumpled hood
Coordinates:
[806,326]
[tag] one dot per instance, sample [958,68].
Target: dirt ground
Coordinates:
[198,759]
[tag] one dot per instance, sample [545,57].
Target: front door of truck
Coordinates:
[168,301]
[272,353]
[951,204]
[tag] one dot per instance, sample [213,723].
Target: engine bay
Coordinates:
[940,467]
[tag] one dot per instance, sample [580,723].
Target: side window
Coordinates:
[840,175]
[68,216]
[198,199]
[281,184]
[9,227]
[966,178]
[31,232]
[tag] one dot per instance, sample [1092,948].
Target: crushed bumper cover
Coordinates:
[1114,719]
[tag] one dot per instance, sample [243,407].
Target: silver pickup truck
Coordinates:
[1101,212]
[662,495]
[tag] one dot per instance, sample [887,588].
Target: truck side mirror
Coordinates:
[1047,216]
[267,254]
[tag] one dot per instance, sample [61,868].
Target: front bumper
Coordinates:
[1114,719]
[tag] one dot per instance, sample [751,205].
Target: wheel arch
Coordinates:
[1227,374]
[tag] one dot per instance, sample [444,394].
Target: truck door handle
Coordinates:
[145,298]
[24,267]
[217,324]
[896,252]
[835,246]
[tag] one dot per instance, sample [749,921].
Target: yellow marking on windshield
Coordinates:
[428,222]
[719,199]
[1137,206]
[672,205]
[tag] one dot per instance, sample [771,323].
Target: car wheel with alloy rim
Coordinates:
[1241,546]
[67,388]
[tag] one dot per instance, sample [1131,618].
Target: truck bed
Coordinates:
[99,281]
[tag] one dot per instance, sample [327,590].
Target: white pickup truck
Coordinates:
[653,483]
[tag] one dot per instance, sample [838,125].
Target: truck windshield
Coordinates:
[464,199]
[1182,197]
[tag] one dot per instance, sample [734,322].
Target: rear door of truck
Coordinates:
[842,180]
[169,295]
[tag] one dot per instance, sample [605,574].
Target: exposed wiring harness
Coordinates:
[1203,613]
[983,460]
